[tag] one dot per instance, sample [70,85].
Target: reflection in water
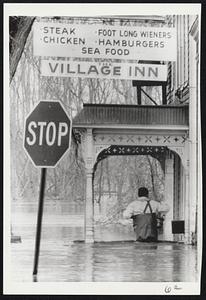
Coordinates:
[110,261]
[35,278]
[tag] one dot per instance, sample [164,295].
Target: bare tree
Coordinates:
[19,29]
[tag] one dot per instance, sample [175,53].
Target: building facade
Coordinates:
[183,88]
[178,134]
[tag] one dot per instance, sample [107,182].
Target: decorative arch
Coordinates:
[158,152]
[170,161]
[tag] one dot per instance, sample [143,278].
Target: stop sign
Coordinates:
[47,133]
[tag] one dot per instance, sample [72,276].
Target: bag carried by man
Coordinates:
[145,225]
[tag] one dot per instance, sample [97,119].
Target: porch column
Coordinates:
[89,209]
[89,203]
[169,195]
[187,237]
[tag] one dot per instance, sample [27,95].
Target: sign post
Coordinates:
[47,138]
[39,220]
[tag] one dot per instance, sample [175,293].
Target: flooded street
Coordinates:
[115,257]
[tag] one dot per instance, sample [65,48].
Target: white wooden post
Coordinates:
[89,203]
[169,195]
[187,239]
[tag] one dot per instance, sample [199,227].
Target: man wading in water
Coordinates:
[144,214]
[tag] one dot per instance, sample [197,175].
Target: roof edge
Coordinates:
[131,105]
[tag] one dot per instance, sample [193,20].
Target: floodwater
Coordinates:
[115,257]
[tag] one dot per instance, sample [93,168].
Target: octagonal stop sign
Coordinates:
[47,133]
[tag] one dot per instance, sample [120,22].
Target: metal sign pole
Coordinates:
[39,220]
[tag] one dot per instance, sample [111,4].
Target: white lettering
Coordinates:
[50,134]
[63,130]
[31,142]
[41,125]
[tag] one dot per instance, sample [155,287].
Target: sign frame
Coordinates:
[121,70]
[55,39]
[70,134]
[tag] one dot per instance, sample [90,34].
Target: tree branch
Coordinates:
[19,28]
